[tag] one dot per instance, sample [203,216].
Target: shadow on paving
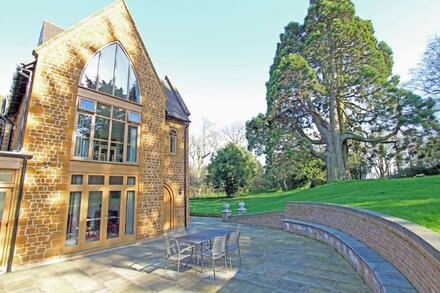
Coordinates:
[272,261]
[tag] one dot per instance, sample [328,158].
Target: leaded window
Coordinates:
[109,71]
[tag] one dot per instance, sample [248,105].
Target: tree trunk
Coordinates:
[335,160]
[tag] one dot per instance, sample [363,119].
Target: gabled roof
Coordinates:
[176,107]
[65,32]
[49,31]
[51,34]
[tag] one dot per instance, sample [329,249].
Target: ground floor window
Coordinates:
[73,219]
[100,212]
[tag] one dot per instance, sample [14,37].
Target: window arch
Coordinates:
[109,71]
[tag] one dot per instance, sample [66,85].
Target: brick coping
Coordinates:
[429,240]
[257,214]
[386,277]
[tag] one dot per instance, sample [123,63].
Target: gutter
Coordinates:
[25,158]
[185,162]
[11,124]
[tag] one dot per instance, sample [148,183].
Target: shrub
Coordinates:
[316,182]
[417,171]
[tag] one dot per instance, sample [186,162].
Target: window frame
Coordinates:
[87,110]
[131,66]
[93,116]
[173,138]
[105,189]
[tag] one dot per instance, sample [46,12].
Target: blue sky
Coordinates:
[218,53]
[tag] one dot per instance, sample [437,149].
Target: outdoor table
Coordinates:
[197,239]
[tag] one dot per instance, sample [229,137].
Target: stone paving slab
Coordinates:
[272,261]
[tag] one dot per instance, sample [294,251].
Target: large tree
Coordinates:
[288,162]
[331,82]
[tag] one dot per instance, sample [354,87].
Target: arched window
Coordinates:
[110,71]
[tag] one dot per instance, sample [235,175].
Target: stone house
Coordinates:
[108,140]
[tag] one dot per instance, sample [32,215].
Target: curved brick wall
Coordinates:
[270,219]
[412,249]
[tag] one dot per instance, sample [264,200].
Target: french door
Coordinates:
[104,219]
[100,216]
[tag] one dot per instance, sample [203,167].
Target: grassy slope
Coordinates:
[413,199]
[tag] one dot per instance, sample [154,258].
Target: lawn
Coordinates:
[413,199]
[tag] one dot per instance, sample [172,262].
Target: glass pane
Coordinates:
[90,73]
[133,89]
[96,180]
[116,152]
[131,181]
[118,114]
[93,224]
[118,129]
[173,141]
[103,110]
[172,144]
[132,143]
[77,180]
[100,150]
[6,176]
[121,74]
[87,105]
[2,205]
[102,126]
[134,117]
[106,68]
[73,218]
[83,136]
[116,180]
[114,212]
[129,217]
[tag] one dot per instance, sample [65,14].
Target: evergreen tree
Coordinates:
[231,168]
[331,83]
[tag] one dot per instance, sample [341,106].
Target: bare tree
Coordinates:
[235,133]
[202,146]
[426,77]
[382,159]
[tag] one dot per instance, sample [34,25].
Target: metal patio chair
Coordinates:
[177,253]
[233,245]
[217,251]
[191,230]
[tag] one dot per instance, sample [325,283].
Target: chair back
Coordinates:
[172,245]
[234,239]
[219,245]
[191,230]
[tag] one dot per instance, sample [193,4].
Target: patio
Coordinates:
[273,261]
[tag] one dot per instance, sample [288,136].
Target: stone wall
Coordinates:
[174,168]
[49,132]
[412,249]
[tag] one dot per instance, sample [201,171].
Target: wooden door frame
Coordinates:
[105,189]
[172,206]
[5,230]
